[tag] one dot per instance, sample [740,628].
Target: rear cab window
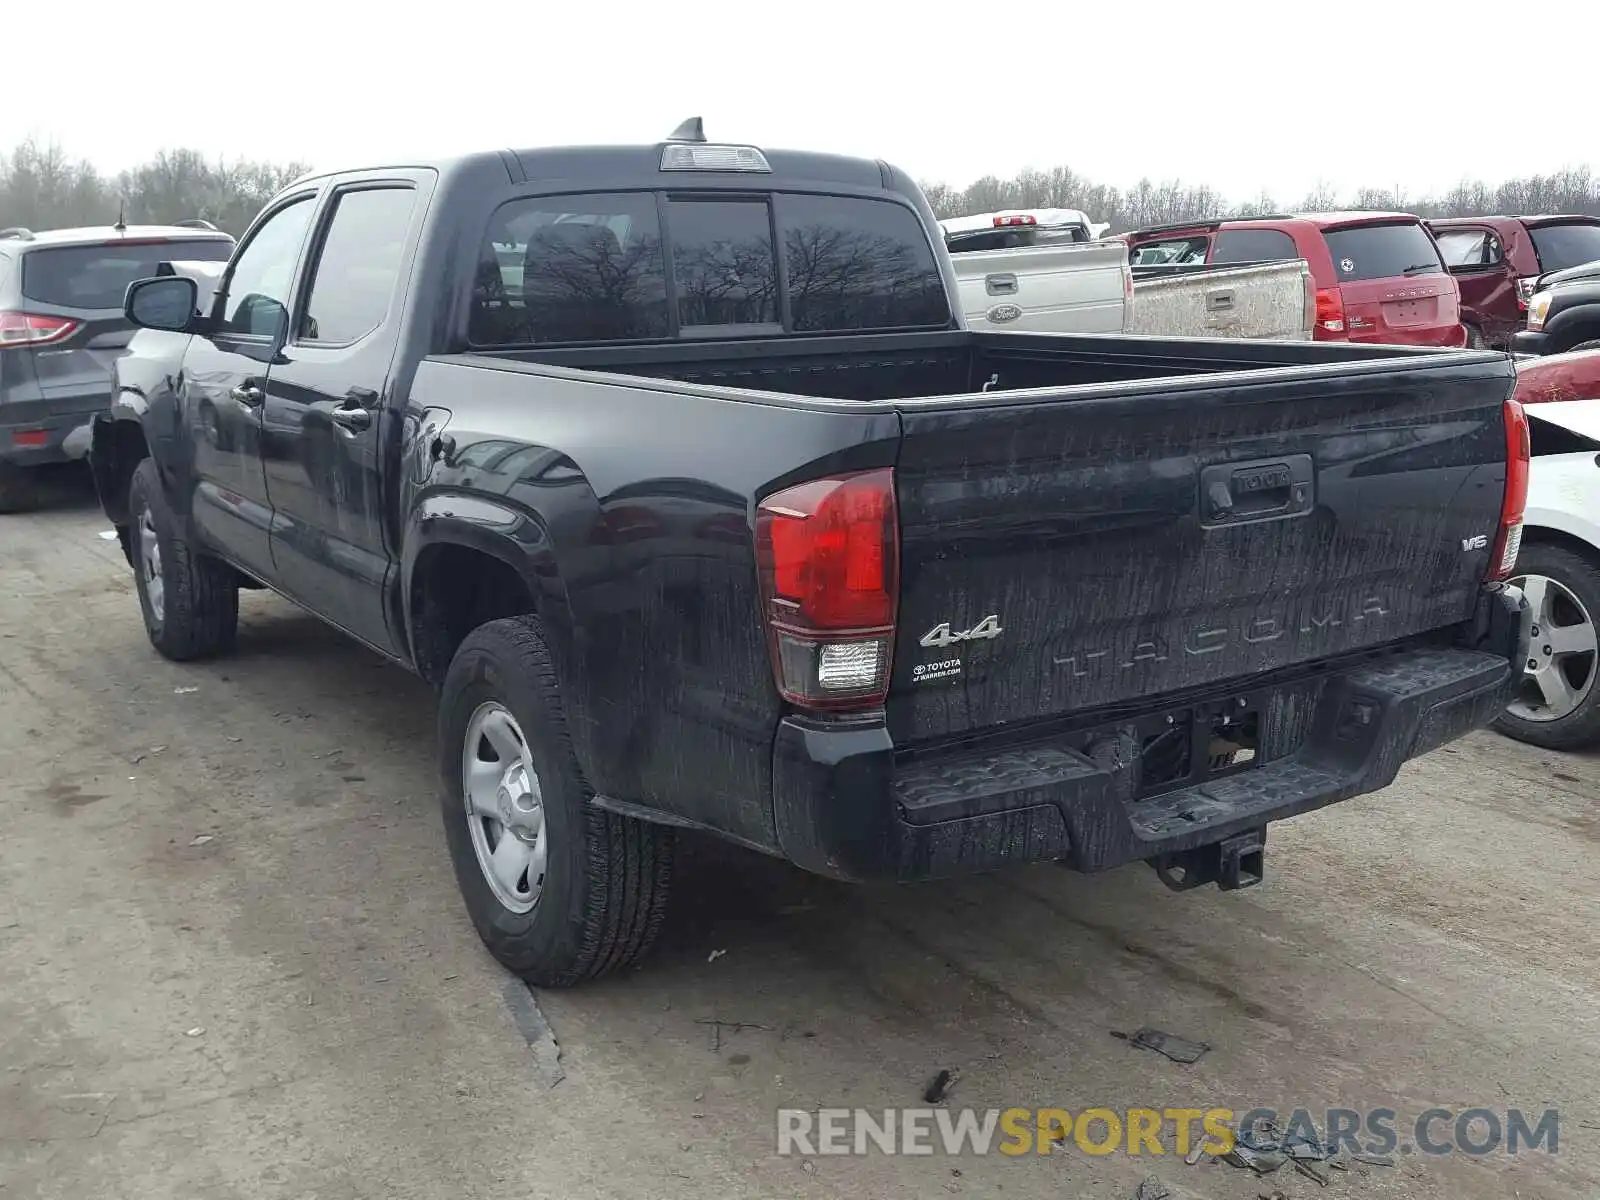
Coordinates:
[1253,245]
[1382,251]
[639,266]
[97,276]
[1171,251]
[1015,237]
[1563,246]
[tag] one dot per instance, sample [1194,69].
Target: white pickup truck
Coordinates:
[1049,271]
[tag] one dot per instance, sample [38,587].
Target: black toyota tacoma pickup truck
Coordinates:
[675,472]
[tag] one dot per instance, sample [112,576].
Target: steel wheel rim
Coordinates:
[1562,657]
[504,807]
[155,588]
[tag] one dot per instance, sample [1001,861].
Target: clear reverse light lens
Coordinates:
[694,157]
[850,666]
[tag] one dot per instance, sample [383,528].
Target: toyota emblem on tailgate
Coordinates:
[1001,313]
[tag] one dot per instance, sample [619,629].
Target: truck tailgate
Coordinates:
[1064,551]
[1057,288]
[1262,300]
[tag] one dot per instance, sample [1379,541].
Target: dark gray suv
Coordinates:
[61,327]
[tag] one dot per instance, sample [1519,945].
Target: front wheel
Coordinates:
[1558,706]
[560,891]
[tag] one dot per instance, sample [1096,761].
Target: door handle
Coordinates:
[1000,285]
[351,418]
[248,393]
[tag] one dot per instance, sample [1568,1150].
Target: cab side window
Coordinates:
[358,265]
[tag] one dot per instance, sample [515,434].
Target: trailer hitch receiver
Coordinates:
[1233,863]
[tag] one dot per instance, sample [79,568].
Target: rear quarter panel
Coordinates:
[629,503]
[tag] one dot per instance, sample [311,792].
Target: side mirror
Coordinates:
[165,303]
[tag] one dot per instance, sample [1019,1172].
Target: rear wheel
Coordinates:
[1558,705]
[1475,338]
[560,891]
[190,602]
[19,490]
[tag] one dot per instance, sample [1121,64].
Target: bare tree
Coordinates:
[41,188]
[1570,190]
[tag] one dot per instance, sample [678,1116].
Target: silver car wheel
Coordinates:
[504,807]
[1562,657]
[155,588]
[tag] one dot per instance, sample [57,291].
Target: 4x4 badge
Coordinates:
[941,634]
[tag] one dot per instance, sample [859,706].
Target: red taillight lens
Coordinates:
[1330,316]
[1003,222]
[29,329]
[828,552]
[1518,453]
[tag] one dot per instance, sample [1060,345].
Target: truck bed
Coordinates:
[892,367]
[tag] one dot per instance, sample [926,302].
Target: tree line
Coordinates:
[41,187]
[1571,190]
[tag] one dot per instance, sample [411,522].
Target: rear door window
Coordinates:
[1469,248]
[1382,251]
[1253,245]
[855,263]
[358,265]
[97,277]
[1563,246]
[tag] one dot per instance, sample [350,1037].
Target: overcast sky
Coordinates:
[1245,97]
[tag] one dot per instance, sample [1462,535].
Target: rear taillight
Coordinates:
[1330,316]
[1525,286]
[828,553]
[1518,451]
[30,329]
[1004,222]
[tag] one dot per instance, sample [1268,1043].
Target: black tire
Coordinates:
[606,876]
[200,597]
[19,491]
[1475,338]
[1579,574]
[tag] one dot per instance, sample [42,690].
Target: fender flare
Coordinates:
[1584,317]
[501,531]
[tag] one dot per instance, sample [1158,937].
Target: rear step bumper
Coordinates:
[844,808]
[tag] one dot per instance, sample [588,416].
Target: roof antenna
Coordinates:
[692,130]
[121,226]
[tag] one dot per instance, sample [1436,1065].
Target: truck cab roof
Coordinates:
[590,166]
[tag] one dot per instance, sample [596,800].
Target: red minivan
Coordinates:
[1497,261]
[1379,276]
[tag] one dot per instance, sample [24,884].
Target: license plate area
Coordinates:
[1186,746]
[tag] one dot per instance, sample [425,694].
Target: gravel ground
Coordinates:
[233,962]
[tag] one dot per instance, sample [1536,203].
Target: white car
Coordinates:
[1559,564]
